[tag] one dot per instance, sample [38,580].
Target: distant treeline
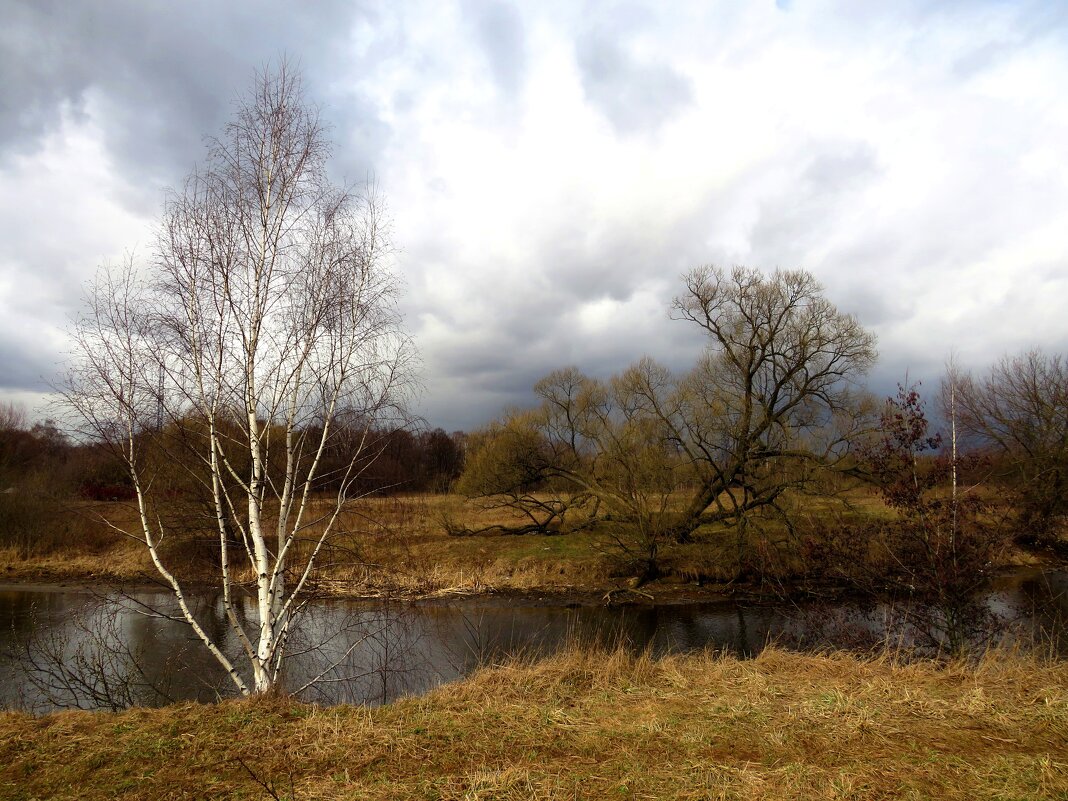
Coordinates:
[41,459]
[43,471]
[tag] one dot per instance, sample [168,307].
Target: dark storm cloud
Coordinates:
[635,95]
[24,366]
[872,305]
[499,372]
[528,332]
[586,260]
[155,79]
[585,270]
[162,75]
[480,361]
[520,333]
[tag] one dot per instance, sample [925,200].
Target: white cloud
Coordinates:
[61,215]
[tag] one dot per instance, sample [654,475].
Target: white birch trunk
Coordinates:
[266,316]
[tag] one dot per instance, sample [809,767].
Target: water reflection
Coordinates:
[65,647]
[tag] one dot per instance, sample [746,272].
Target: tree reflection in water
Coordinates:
[65,648]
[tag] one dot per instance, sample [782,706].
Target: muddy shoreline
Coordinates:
[651,594]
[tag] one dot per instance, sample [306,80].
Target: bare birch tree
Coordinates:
[266,327]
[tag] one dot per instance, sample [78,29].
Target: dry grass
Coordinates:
[86,548]
[408,543]
[593,726]
[395,544]
[399,545]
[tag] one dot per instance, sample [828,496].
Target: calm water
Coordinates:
[71,647]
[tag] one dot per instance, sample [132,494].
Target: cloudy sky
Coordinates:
[552,168]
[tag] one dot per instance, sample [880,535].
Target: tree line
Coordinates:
[45,474]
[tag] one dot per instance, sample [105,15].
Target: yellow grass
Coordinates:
[395,544]
[400,545]
[592,726]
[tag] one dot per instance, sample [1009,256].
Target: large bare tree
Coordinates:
[771,406]
[265,330]
[774,398]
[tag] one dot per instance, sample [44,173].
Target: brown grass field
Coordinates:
[588,725]
[393,544]
[399,545]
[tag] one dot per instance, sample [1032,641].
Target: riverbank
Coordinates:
[399,547]
[588,725]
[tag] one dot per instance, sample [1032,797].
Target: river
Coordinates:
[78,647]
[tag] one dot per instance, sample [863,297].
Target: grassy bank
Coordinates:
[400,545]
[588,725]
[394,544]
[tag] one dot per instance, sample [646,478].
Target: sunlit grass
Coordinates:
[400,545]
[594,725]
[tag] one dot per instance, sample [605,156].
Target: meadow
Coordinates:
[589,724]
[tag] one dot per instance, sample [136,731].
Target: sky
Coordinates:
[552,169]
